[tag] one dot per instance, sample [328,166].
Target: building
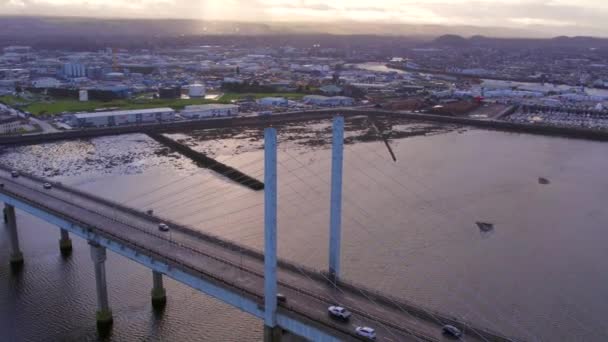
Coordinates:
[11,121]
[511,93]
[170,92]
[114,76]
[232,80]
[209,111]
[107,93]
[333,101]
[120,117]
[46,82]
[196,90]
[17,49]
[94,72]
[83,95]
[331,89]
[273,101]
[73,70]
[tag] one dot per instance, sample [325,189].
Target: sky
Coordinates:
[558,15]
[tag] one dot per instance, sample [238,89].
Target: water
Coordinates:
[408,228]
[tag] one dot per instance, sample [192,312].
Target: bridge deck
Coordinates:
[308,294]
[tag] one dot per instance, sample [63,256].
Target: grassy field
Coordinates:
[11,100]
[38,106]
[58,106]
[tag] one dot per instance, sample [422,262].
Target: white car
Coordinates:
[451,330]
[14,174]
[163,227]
[339,312]
[366,332]
[47,185]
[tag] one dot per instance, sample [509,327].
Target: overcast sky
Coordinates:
[589,15]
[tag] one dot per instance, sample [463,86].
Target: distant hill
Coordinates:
[452,40]
[88,34]
[74,26]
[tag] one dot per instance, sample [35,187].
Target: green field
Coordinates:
[54,107]
[45,106]
[11,100]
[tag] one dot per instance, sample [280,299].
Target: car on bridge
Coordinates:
[451,331]
[47,185]
[163,227]
[366,332]
[281,298]
[14,174]
[339,312]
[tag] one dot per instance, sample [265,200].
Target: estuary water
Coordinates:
[409,229]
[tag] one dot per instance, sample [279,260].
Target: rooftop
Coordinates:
[124,112]
[209,106]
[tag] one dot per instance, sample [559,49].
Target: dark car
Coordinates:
[281,298]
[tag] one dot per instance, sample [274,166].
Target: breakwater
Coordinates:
[204,161]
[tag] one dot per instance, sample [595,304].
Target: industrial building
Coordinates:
[170,92]
[332,101]
[209,111]
[73,70]
[273,101]
[46,82]
[120,117]
[331,89]
[196,90]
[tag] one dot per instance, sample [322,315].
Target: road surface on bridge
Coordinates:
[307,295]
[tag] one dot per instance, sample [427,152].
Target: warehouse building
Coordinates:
[120,117]
[332,101]
[209,111]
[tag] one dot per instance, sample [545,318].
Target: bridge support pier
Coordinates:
[273,334]
[159,296]
[335,220]
[104,314]
[16,257]
[65,243]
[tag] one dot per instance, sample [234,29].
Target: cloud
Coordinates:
[510,13]
[366,9]
[558,15]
